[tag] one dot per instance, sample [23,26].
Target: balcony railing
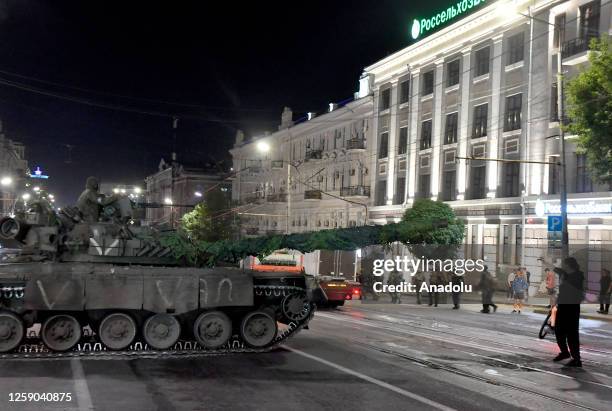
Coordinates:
[355,191]
[575,46]
[312,195]
[355,144]
[277,163]
[314,155]
[277,198]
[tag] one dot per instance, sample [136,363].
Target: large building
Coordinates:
[443,117]
[13,171]
[177,188]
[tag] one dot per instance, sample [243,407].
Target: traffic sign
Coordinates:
[555,223]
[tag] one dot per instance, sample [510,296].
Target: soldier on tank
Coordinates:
[90,201]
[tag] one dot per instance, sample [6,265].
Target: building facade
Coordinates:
[308,176]
[13,171]
[445,118]
[177,188]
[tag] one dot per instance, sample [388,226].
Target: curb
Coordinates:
[583,315]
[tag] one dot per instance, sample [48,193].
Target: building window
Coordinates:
[482,61]
[426,134]
[383,151]
[449,157]
[511,146]
[511,179]
[450,130]
[424,186]
[477,182]
[428,83]
[516,48]
[449,186]
[404,92]
[382,169]
[401,165]
[589,20]
[385,99]
[554,103]
[512,118]
[425,161]
[479,128]
[400,190]
[584,184]
[402,147]
[381,192]
[553,176]
[559,35]
[452,76]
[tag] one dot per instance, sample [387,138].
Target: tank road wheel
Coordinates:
[11,331]
[161,331]
[258,329]
[60,332]
[296,307]
[212,329]
[117,331]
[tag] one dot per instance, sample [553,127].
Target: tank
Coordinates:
[69,286]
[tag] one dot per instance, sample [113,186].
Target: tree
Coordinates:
[589,97]
[209,221]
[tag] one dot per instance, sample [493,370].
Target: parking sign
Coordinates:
[555,223]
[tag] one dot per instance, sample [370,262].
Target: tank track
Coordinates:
[90,348]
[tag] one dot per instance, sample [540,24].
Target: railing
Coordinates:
[355,144]
[277,163]
[575,46]
[512,120]
[314,155]
[355,191]
[425,143]
[277,198]
[312,195]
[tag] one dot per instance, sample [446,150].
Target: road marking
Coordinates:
[80,385]
[372,380]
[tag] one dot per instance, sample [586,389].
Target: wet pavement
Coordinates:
[358,357]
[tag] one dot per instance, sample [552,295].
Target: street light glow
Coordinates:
[37,189]
[137,190]
[197,194]
[116,190]
[25,196]
[6,181]
[263,147]
[168,200]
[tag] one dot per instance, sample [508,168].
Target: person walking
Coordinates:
[487,288]
[528,278]
[571,294]
[395,278]
[417,280]
[519,287]
[550,279]
[509,281]
[435,279]
[605,289]
[456,280]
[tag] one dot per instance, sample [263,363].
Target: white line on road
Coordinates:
[372,380]
[80,385]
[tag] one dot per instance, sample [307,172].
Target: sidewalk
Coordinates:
[534,304]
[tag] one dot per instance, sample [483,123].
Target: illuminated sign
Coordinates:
[38,174]
[422,26]
[591,207]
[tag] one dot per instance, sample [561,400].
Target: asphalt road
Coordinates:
[359,357]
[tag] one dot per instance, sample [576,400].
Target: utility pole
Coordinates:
[288,190]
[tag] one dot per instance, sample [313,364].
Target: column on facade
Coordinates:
[372,149]
[392,143]
[436,140]
[464,128]
[413,145]
[496,123]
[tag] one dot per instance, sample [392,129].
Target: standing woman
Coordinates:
[605,289]
[519,287]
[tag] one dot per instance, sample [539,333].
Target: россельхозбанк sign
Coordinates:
[422,26]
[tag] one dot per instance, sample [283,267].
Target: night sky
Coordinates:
[218,68]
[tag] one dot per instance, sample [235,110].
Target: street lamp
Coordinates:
[25,196]
[137,190]
[6,181]
[263,147]
[168,201]
[198,194]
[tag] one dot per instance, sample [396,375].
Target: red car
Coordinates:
[337,290]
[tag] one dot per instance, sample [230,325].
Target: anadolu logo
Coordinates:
[416,29]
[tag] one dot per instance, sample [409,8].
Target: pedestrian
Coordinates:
[571,294]
[434,279]
[456,280]
[528,277]
[418,279]
[487,288]
[395,278]
[605,289]
[550,279]
[519,287]
[509,280]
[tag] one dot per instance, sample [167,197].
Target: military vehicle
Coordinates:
[83,283]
